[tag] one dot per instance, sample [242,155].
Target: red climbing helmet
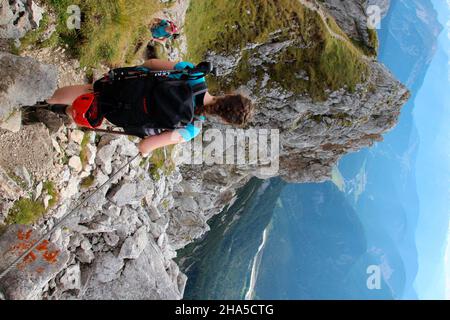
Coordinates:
[85,111]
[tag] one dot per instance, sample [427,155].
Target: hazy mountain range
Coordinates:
[320,238]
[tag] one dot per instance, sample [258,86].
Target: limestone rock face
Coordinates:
[23,81]
[352,16]
[134,284]
[122,242]
[314,135]
[71,279]
[133,246]
[17,17]
[108,267]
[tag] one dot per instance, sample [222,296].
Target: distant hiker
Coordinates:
[161,30]
[160,110]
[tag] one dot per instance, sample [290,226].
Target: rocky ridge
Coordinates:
[121,245]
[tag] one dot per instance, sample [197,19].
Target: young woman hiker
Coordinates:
[163,29]
[128,105]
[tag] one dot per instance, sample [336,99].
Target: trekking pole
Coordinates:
[199,71]
[67,215]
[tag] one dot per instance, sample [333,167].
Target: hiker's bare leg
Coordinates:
[67,95]
[157,64]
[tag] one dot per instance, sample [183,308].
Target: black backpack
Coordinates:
[142,104]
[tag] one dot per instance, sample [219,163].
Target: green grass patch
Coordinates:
[161,161]
[370,49]
[35,37]
[141,37]
[65,159]
[374,42]
[84,151]
[332,24]
[143,162]
[12,48]
[110,29]
[25,211]
[20,182]
[226,25]
[87,182]
[165,204]
[50,189]
[329,63]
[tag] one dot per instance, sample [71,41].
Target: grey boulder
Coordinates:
[23,81]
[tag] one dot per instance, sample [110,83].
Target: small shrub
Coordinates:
[34,37]
[87,182]
[83,152]
[25,211]
[51,190]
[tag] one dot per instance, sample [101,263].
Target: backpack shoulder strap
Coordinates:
[199,88]
[198,92]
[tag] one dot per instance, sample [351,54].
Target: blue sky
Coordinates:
[432,118]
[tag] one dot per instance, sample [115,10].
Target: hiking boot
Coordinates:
[58,108]
[32,109]
[49,115]
[54,121]
[29,115]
